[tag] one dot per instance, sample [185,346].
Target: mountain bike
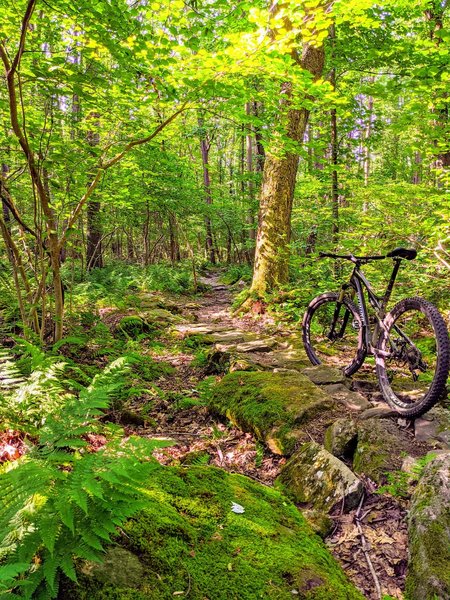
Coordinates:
[410,343]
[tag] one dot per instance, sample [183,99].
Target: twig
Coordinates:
[364,547]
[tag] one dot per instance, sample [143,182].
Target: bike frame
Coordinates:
[357,284]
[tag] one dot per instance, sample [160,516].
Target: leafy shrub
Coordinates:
[235,273]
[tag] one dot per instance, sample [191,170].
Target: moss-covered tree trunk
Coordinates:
[277,193]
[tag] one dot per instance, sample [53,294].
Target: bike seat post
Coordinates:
[390,286]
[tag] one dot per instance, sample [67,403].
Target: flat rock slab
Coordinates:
[262,345]
[378,412]
[352,400]
[314,476]
[273,406]
[323,375]
[199,328]
[429,533]
[291,359]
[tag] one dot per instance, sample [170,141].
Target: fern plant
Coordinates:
[62,500]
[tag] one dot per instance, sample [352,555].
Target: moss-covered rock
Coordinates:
[379,448]
[190,542]
[132,326]
[316,477]
[428,576]
[341,438]
[270,405]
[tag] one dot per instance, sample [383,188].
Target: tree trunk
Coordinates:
[334,152]
[204,148]
[94,254]
[277,193]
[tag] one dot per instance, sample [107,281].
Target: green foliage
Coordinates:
[235,273]
[64,498]
[399,482]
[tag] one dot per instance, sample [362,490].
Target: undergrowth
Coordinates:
[77,481]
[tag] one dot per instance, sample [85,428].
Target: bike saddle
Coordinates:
[408,253]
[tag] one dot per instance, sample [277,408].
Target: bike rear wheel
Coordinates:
[332,333]
[413,354]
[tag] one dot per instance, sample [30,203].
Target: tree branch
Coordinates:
[25,22]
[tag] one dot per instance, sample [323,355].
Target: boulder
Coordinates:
[428,573]
[314,476]
[379,448]
[205,533]
[341,438]
[323,375]
[272,406]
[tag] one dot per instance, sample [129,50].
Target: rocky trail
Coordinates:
[252,404]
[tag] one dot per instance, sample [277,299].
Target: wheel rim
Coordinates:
[411,362]
[338,348]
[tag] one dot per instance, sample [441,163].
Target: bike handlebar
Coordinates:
[349,256]
[397,254]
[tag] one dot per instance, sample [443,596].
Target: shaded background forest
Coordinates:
[149,127]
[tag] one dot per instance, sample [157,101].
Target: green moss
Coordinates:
[188,539]
[429,530]
[271,405]
[132,326]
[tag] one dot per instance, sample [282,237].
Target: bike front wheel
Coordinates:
[332,333]
[412,358]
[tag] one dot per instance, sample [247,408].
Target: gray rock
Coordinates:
[120,568]
[262,345]
[425,430]
[314,476]
[429,533]
[380,447]
[323,375]
[341,438]
[378,412]
[352,400]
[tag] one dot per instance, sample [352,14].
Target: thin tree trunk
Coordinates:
[204,148]
[334,152]
[94,254]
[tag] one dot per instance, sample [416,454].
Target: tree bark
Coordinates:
[277,193]
[204,148]
[94,253]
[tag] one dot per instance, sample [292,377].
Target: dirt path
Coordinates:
[179,413]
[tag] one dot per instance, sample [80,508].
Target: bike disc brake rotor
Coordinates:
[412,359]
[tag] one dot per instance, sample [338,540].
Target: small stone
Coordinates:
[314,476]
[321,523]
[323,375]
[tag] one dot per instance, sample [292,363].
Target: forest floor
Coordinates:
[370,542]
